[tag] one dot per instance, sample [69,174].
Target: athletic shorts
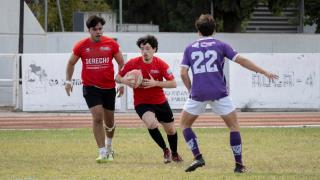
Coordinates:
[220,107]
[96,96]
[162,111]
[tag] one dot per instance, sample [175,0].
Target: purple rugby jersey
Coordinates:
[206,59]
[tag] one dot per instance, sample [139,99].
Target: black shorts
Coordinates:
[162,111]
[96,96]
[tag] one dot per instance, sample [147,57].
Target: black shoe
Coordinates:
[240,169]
[195,164]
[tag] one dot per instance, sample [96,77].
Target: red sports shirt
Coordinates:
[159,71]
[97,66]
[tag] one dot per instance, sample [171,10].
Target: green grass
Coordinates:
[270,153]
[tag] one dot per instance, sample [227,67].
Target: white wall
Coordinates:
[298,85]
[297,88]
[168,42]
[176,42]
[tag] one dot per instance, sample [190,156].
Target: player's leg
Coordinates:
[97,125]
[110,129]
[172,137]
[165,117]
[109,106]
[224,107]
[93,100]
[98,131]
[191,110]
[148,117]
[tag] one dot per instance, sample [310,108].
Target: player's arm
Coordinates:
[125,80]
[185,77]
[148,83]
[253,67]
[119,58]
[69,72]
[121,77]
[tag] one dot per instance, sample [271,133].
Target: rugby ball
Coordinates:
[135,76]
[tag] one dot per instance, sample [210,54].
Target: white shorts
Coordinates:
[220,107]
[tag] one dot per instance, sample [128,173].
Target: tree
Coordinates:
[179,15]
[67,8]
[312,12]
[233,13]
[173,16]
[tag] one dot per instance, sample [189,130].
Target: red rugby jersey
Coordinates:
[97,66]
[159,71]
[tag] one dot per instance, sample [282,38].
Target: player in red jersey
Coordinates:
[149,99]
[96,53]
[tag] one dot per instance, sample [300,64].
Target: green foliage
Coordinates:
[67,9]
[277,6]
[270,153]
[173,16]
[312,12]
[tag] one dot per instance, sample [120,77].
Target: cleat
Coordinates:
[240,168]
[166,156]
[176,158]
[195,164]
[101,159]
[110,155]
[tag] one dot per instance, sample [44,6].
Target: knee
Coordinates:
[152,125]
[171,130]
[98,121]
[98,118]
[234,127]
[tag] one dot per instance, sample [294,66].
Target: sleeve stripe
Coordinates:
[235,57]
[183,65]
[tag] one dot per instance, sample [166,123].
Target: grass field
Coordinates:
[270,153]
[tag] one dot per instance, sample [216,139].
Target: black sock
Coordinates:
[173,141]
[157,137]
[198,157]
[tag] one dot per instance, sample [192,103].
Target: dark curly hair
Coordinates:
[152,40]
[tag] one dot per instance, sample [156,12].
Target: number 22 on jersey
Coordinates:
[209,56]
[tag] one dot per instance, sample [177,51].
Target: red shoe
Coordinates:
[176,158]
[166,156]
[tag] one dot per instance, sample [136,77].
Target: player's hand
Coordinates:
[149,83]
[271,76]
[120,90]
[129,81]
[68,87]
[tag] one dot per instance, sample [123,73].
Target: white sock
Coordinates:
[109,143]
[103,151]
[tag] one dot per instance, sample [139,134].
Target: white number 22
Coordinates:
[200,56]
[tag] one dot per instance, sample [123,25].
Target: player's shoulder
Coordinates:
[135,60]
[108,39]
[158,60]
[82,42]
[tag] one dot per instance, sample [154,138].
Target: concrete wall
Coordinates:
[168,42]
[34,35]
[176,42]
[9,18]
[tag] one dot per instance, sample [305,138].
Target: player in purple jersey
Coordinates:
[206,57]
